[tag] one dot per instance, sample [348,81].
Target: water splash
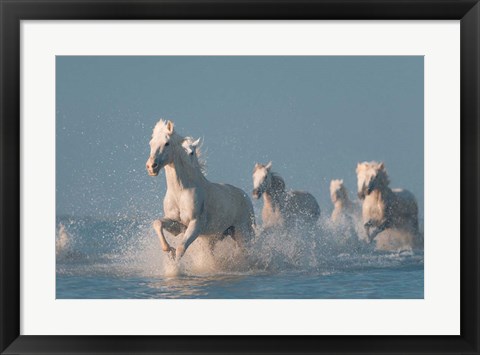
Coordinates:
[129,247]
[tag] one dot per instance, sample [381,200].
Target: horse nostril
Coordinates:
[154,165]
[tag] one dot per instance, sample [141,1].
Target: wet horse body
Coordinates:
[193,206]
[281,208]
[382,206]
[343,207]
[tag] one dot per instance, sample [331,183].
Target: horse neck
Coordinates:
[387,193]
[382,193]
[181,175]
[343,203]
[269,202]
[274,198]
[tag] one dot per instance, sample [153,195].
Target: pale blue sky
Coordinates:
[314,117]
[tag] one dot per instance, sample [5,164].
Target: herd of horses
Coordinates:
[195,207]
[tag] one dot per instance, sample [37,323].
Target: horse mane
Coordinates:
[180,152]
[160,128]
[362,172]
[176,140]
[385,178]
[381,172]
[278,184]
[338,186]
[199,154]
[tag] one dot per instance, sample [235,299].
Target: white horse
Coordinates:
[193,206]
[282,208]
[62,240]
[343,207]
[382,206]
[346,215]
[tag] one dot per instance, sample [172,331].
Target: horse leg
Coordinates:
[376,230]
[192,232]
[236,235]
[368,225]
[211,244]
[171,226]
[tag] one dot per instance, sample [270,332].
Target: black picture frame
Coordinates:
[13,11]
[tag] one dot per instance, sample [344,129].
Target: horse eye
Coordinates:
[167,144]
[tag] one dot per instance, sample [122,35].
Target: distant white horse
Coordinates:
[282,208]
[62,241]
[343,208]
[383,207]
[346,215]
[193,206]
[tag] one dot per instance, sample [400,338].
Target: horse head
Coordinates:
[337,190]
[374,176]
[161,147]
[261,179]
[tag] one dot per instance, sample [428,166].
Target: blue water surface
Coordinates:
[122,260]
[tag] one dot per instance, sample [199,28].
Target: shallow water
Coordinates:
[122,259]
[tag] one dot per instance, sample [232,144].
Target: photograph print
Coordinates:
[239,177]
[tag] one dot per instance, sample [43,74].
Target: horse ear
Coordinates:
[169,127]
[381,166]
[196,143]
[269,165]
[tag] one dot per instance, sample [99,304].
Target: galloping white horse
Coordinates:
[282,208]
[384,207]
[62,240]
[343,208]
[346,215]
[193,206]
